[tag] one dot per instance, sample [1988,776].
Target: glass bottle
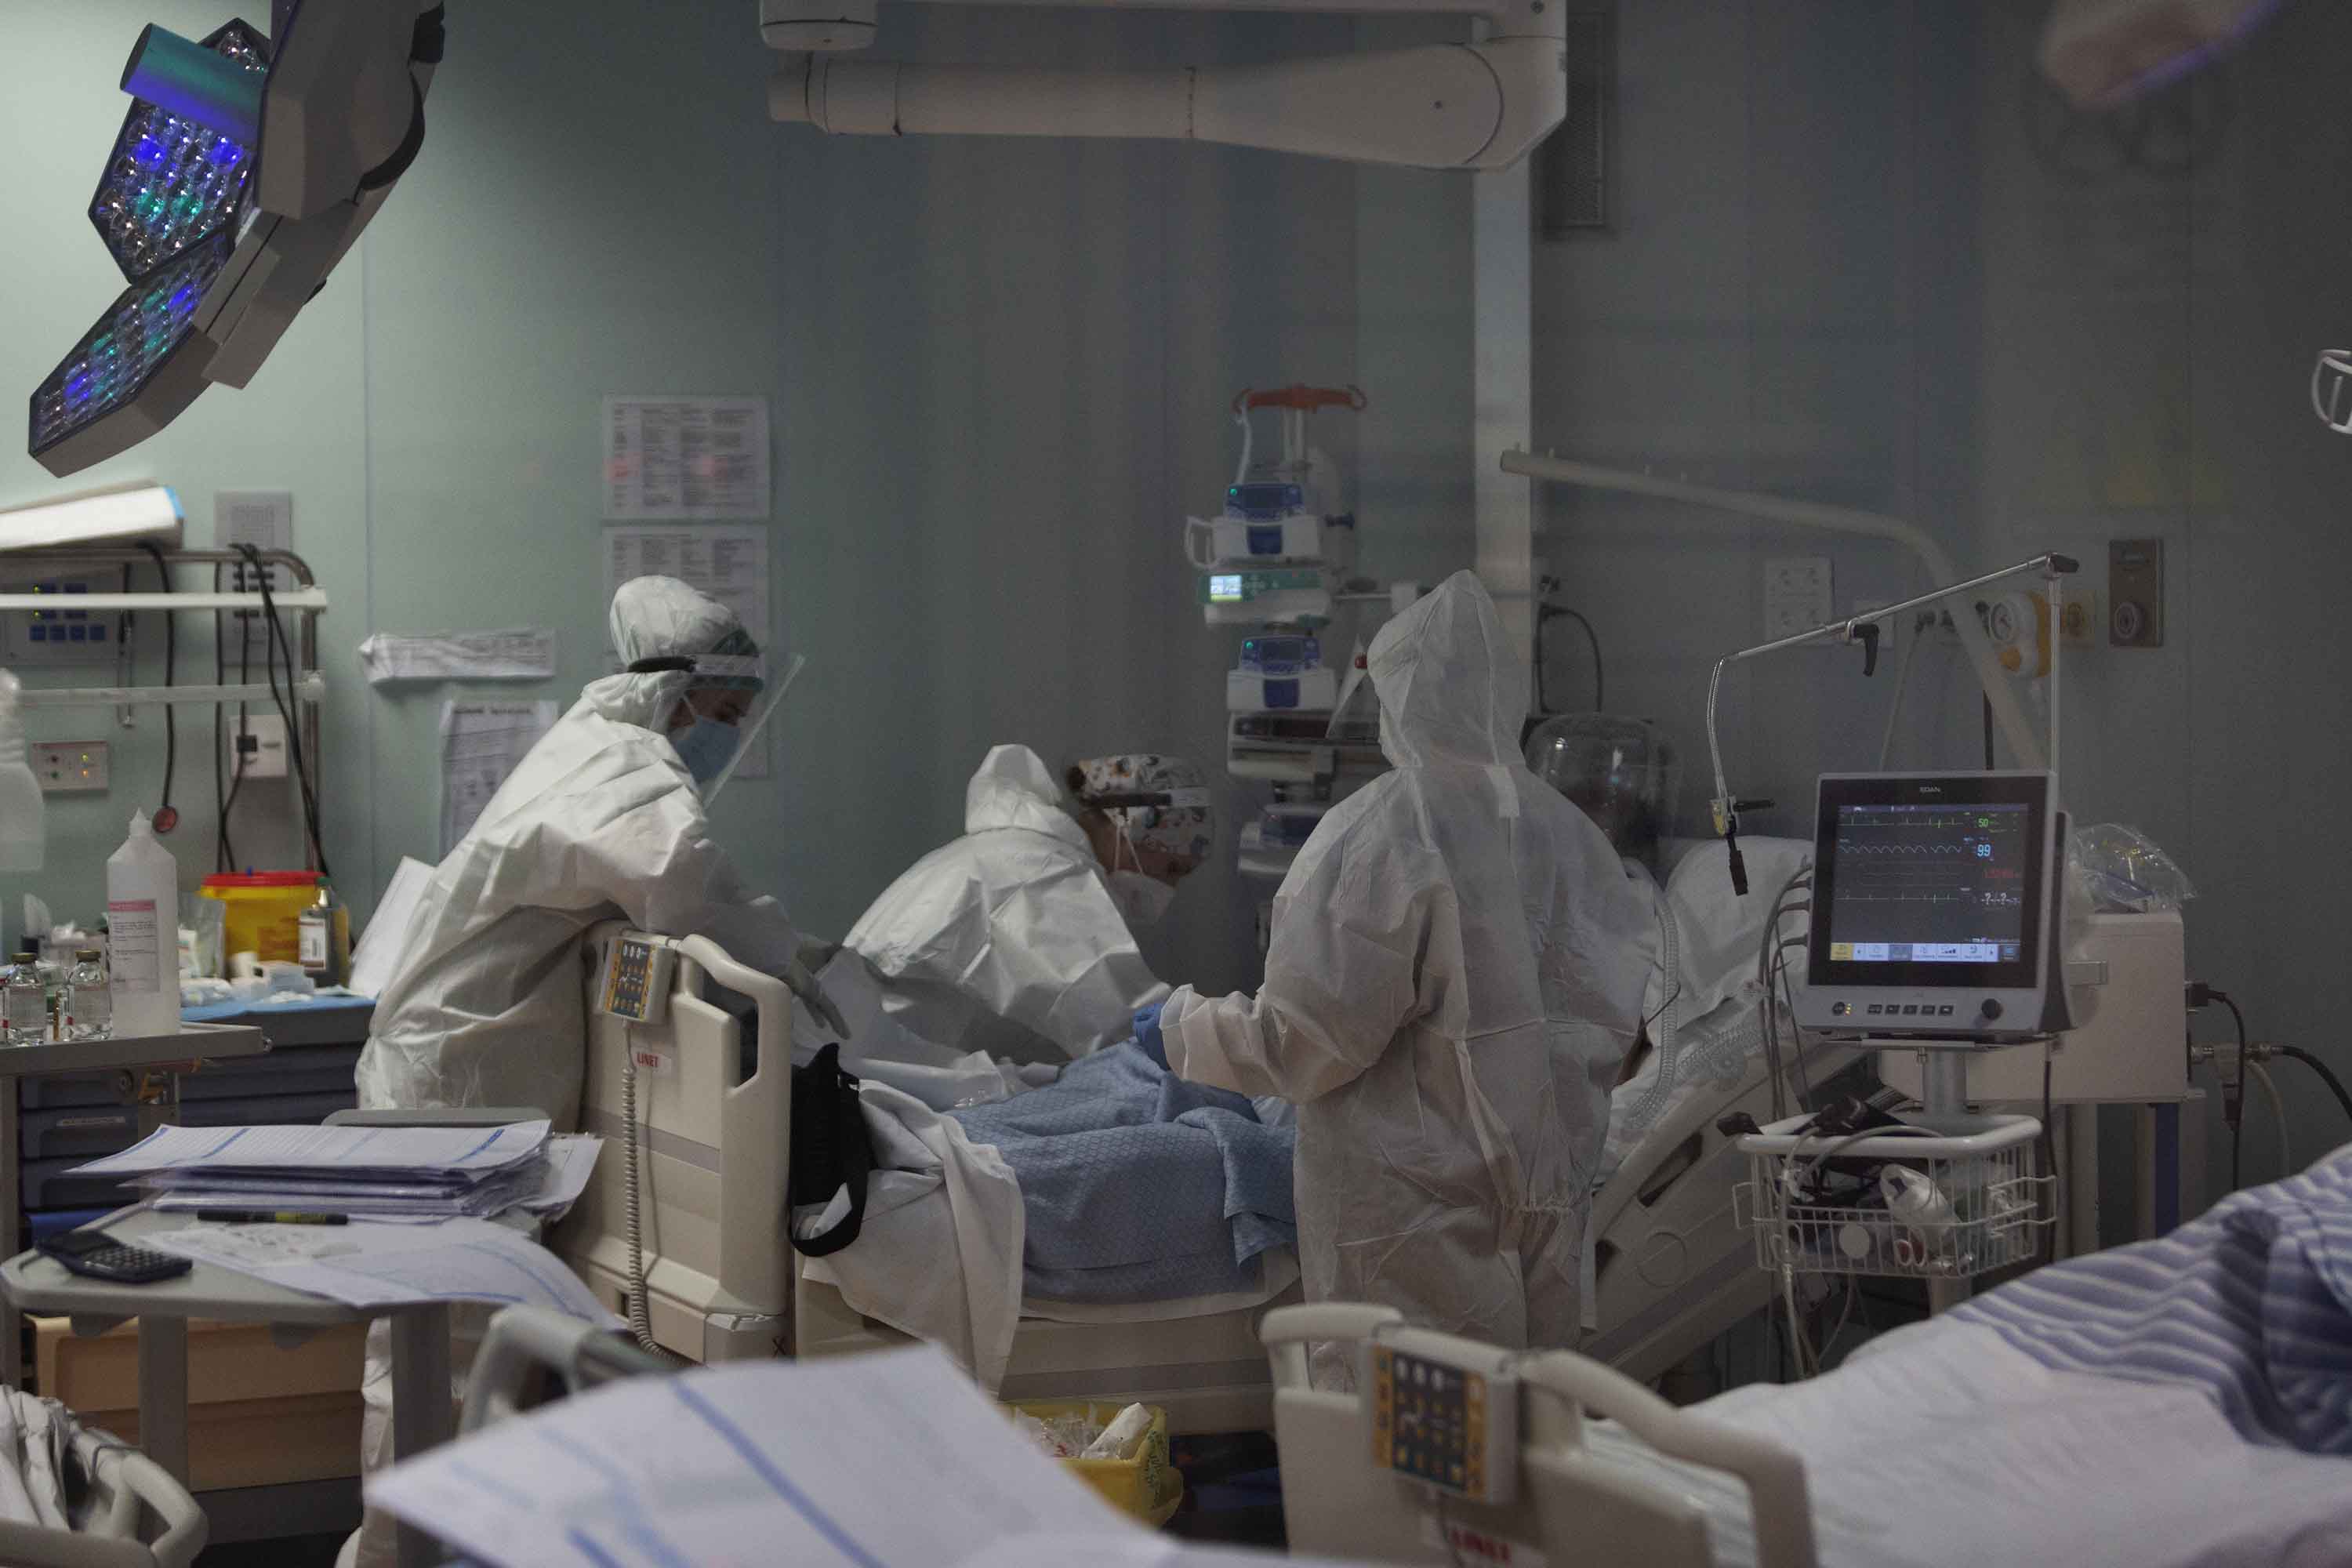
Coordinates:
[89,998]
[24,1004]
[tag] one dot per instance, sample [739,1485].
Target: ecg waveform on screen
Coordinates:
[1922,857]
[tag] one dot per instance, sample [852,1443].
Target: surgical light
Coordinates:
[245,169]
[172,180]
[140,352]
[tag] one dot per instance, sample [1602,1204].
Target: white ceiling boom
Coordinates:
[1479,105]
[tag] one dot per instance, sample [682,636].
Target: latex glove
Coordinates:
[805,986]
[1147,1035]
[815,956]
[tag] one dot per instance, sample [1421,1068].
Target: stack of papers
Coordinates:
[381,1172]
[888,1460]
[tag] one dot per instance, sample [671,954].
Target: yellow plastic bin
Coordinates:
[1147,1487]
[265,911]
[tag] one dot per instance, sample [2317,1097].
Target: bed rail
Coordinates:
[1575,1509]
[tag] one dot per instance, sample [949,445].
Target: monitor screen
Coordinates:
[1931,884]
[1929,881]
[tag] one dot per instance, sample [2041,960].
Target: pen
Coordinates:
[272,1217]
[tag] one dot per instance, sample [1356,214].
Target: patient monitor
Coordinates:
[1935,908]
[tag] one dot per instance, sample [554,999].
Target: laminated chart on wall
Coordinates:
[685,459]
[731,564]
[516,653]
[481,742]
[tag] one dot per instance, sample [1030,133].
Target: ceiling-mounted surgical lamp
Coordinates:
[246,168]
[1481,105]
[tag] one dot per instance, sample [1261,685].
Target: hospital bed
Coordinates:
[1671,1266]
[723,1282]
[2171,1403]
[1671,1269]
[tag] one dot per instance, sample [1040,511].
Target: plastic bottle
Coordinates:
[21,810]
[89,998]
[142,921]
[24,1004]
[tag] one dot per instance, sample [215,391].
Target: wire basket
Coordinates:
[1823,1204]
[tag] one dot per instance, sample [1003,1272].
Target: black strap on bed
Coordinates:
[830,1151]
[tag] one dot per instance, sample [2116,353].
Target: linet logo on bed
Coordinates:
[1469,1545]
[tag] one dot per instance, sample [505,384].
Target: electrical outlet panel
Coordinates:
[2136,592]
[265,520]
[1796,596]
[257,747]
[68,767]
[65,634]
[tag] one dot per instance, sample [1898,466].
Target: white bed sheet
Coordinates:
[1704,1026]
[1277,1272]
[1951,1449]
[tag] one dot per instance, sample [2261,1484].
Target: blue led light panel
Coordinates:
[170,183]
[147,323]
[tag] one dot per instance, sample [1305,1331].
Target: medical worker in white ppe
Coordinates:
[601,820]
[1017,940]
[1456,973]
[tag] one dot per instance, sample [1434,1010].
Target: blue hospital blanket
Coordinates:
[1138,1186]
[2250,1303]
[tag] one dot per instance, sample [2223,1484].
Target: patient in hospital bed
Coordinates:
[2182,1402]
[1138,1187]
[1117,1193]
[1702,1027]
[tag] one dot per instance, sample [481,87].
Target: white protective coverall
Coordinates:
[1005,941]
[600,821]
[1456,972]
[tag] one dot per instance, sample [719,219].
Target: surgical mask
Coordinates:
[705,747]
[1142,899]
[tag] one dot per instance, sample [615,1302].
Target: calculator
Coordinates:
[101,1257]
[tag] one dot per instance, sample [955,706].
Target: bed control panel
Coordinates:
[1445,1412]
[635,984]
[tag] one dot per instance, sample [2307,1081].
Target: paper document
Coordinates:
[731,564]
[377,953]
[364,1264]
[686,458]
[481,742]
[458,1155]
[520,653]
[887,1460]
[571,1160]
[548,1183]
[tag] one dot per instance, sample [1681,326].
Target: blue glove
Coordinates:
[1147,1035]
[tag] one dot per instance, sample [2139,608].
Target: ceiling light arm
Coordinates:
[1480,105]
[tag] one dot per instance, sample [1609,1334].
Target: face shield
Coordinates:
[720,734]
[750,731]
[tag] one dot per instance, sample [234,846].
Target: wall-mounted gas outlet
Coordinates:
[69,767]
[257,747]
[2136,592]
[1796,596]
[59,635]
[2006,618]
[2080,622]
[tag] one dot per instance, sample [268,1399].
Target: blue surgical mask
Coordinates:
[705,747]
